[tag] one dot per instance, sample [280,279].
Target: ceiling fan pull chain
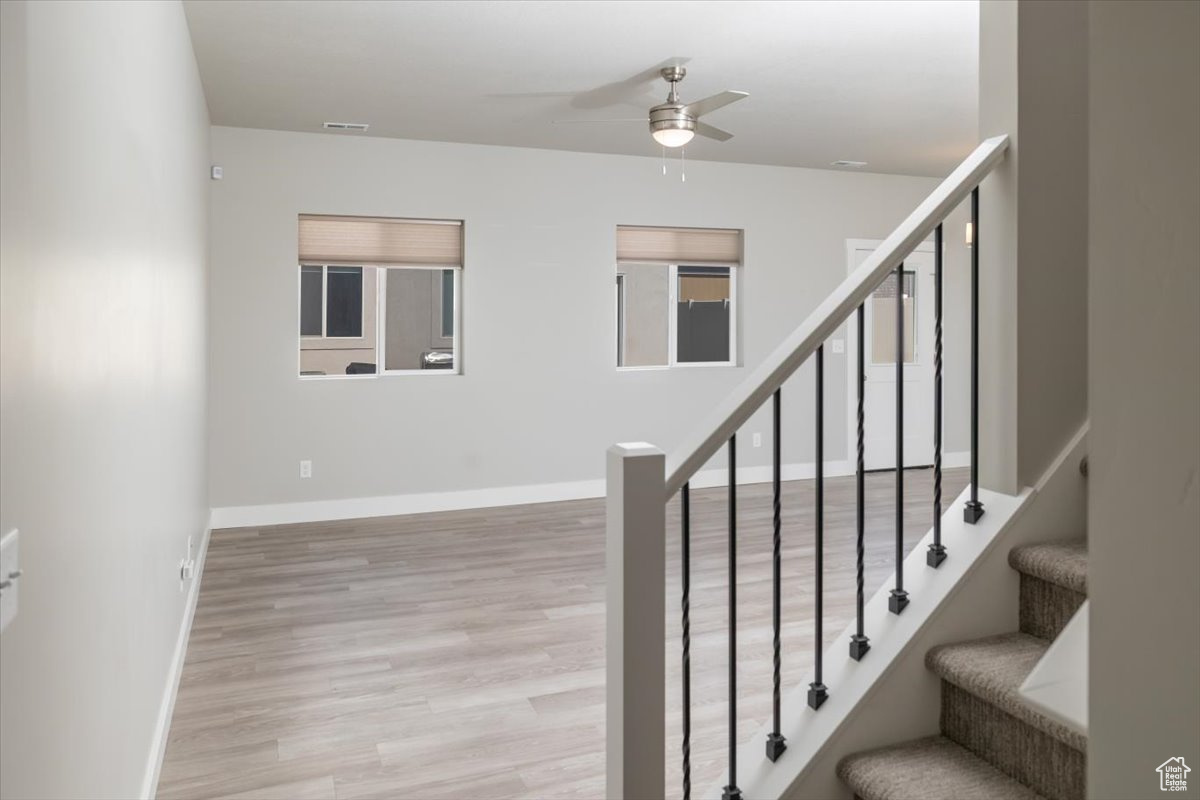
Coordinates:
[664,161]
[683,165]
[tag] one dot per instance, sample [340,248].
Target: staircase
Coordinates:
[992,744]
[641,481]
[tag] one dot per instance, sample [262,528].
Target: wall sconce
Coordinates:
[970,235]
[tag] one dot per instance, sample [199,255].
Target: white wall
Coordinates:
[102,378]
[540,228]
[1144,395]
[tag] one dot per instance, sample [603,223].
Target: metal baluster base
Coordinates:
[973,511]
[776,744]
[731,793]
[859,645]
[898,601]
[817,694]
[936,555]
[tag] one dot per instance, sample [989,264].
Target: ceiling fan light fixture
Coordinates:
[673,137]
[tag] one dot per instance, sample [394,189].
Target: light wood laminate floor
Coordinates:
[461,654]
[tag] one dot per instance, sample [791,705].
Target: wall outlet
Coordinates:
[757,440]
[839,345]
[306,469]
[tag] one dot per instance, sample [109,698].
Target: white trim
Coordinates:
[158,744]
[958,458]
[392,505]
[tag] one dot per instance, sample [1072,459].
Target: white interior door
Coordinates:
[879,402]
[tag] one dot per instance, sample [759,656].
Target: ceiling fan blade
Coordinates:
[706,130]
[710,104]
[643,120]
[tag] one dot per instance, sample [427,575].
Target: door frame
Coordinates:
[852,246]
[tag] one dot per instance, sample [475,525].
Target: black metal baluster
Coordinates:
[776,743]
[817,693]
[974,509]
[686,580]
[937,551]
[899,597]
[859,643]
[731,791]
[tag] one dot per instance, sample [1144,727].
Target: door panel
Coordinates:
[880,355]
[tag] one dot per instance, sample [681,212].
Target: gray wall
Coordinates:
[104,154]
[539,236]
[1144,395]
[1033,236]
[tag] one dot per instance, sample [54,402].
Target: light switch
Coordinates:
[10,577]
[839,345]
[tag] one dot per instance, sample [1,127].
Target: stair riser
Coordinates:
[1046,608]
[1022,752]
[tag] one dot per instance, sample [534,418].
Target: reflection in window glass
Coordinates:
[419,319]
[343,302]
[703,315]
[447,302]
[312,283]
[883,320]
[337,320]
[644,313]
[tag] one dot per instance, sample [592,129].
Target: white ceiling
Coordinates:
[891,83]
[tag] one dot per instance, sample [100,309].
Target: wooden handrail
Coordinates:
[750,394]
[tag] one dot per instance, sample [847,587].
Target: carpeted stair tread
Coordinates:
[928,769]
[1061,563]
[993,669]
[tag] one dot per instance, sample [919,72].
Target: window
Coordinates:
[395,311]
[883,319]
[676,312]
[703,313]
[331,302]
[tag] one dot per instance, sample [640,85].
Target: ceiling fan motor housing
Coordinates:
[670,116]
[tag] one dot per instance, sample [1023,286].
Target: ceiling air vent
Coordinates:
[851,164]
[346,126]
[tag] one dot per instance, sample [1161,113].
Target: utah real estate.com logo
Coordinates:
[1172,775]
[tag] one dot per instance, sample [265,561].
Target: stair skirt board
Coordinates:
[1034,758]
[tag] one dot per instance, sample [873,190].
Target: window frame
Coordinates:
[380,321]
[673,317]
[381,327]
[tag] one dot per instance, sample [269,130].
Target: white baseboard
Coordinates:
[392,505]
[158,745]
[959,459]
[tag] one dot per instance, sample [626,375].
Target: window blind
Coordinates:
[380,240]
[679,245]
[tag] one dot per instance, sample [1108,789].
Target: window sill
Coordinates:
[670,367]
[387,374]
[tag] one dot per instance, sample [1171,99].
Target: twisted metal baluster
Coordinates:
[859,643]
[685,500]
[817,691]
[776,743]
[937,551]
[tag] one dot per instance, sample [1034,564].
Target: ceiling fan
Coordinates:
[673,123]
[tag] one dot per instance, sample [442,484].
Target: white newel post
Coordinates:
[636,629]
